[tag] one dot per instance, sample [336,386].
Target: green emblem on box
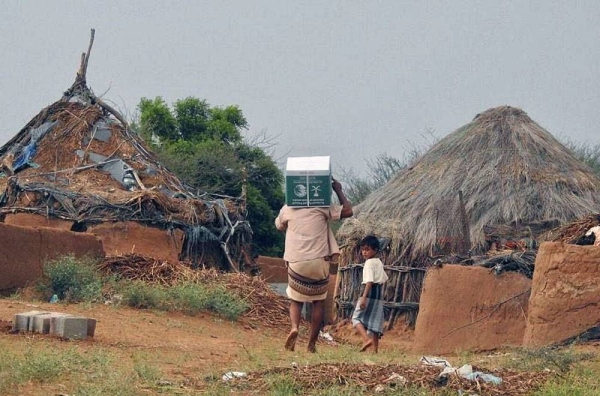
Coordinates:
[308,181]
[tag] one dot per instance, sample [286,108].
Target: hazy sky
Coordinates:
[350,79]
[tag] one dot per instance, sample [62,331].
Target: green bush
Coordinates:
[72,279]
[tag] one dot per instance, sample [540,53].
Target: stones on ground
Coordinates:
[55,323]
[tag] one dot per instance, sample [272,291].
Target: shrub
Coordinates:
[72,279]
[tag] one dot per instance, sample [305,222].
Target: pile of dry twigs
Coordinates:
[370,377]
[572,232]
[266,307]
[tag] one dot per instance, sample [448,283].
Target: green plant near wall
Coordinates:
[71,279]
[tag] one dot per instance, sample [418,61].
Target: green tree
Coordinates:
[192,117]
[156,120]
[203,146]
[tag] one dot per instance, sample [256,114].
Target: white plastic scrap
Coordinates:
[233,374]
[596,232]
[466,371]
[326,336]
[396,379]
[434,361]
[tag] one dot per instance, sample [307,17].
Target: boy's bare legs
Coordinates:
[375,342]
[318,310]
[295,312]
[367,342]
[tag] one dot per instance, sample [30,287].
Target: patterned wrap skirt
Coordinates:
[372,316]
[308,280]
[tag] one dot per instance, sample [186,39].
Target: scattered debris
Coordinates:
[233,374]
[372,377]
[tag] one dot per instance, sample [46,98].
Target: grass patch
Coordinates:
[581,381]
[561,360]
[282,385]
[189,298]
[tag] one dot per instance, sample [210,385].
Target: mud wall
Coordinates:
[273,269]
[565,298]
[132,237]
[469,308]
[34,220]
[24,251]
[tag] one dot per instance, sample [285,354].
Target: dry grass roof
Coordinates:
[509,169]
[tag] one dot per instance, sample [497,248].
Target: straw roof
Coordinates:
[509,169]
[78,160]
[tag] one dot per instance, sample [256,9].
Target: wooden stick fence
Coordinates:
[401,292]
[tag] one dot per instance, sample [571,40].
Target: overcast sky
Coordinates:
[350,79]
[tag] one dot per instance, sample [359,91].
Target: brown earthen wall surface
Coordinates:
[131,237]
[565,297]
[34,220]
[24,250]
[459,310]
[273,269]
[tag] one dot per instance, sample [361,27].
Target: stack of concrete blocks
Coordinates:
[55,323]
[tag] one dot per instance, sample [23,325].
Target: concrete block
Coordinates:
[23,322]
[56,323]
[41,322]
[91,327]
[70,327]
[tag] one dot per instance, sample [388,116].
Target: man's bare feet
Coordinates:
[290,342]
[366,345]
[311,348]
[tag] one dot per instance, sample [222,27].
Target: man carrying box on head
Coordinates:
[309,247]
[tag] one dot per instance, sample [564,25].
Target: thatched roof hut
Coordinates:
[500,178]
[510,172]
[78,161]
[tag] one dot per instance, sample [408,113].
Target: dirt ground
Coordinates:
[202,337]
[192,349]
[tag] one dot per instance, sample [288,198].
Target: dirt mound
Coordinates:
[565,296]
[470,308]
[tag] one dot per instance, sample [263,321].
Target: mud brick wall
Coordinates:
[24,250]
[130,237]
[273,269]
[461,308]
[565,297]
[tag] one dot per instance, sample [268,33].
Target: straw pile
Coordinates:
[506,166]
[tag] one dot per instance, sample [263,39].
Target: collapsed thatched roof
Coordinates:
[510,171]
[78,160]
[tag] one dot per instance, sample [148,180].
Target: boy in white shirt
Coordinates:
[368,314]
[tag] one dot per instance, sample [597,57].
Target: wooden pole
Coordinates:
[466,239]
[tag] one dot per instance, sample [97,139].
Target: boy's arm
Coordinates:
[363,298]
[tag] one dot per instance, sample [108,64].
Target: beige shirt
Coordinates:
[373,271]
[307,232]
